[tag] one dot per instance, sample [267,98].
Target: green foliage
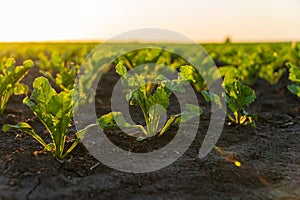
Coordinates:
[238,98]
[294,76]
[115,119]
[152,98]
[60,63]
[54,110]
[64,75]
[252,61]
[10,78]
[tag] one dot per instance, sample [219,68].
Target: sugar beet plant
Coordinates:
[10,77]
[152,99]
[238,97]
[64,75]
[55,111]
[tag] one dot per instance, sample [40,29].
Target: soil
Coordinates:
[269,155]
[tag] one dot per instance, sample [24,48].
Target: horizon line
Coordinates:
[146,41]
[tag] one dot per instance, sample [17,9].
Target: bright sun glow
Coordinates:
[207,20]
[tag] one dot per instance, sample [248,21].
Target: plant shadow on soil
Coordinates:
[269,154]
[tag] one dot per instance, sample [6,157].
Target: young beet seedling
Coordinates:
[55,112]
[238,97]
[294,76]
[10,77]
[153,100]
[65,77]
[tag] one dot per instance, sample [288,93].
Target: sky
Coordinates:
[200,20]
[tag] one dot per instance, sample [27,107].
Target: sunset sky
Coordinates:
[200,20]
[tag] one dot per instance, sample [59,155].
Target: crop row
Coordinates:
[239,66]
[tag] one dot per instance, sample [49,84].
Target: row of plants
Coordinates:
[55,108]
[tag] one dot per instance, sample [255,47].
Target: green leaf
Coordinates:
[248,119]
[156,110]
[9,66]
[238,97]
[192,112]
[187,73]
[28,63]
[167,125]
[27,129]
[247,95]
[231,103]
[56,61]
[116,119]
[172,85]
[48,75]
[20,89]
[42,92]
[210,96]
[108,120]
[121,69]
[294,73]
[10,62]
[159,97]
[194,109]
[80,134]
[54,111]
[227,69]
[295,89]
[60,104]
[9,81]
[230,79]
[206,95]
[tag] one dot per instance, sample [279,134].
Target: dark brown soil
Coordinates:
[269,154]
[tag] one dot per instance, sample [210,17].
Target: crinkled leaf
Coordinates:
[9,80]
[231,103]
[225,69]
[9,66]
[238,97]
[60,105]
[172,85]
[10,62]
[229,80]
[121,69]
[65,80]
[294,73]
[54,111]
[56,61]
[42,92]
[20,89]
[28,63]
[271,73]
[187,73]
[242,94]
[245,95]
[160,97]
